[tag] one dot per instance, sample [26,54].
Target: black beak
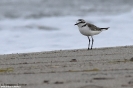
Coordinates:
[76,23]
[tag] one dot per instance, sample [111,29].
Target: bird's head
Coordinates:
[80,22]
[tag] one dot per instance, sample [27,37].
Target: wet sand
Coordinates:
[98,68]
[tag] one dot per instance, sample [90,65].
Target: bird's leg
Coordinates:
[92,42]
[89,42]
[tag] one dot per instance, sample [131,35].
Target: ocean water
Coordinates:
[45,25]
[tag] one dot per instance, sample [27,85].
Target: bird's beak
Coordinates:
[76,24]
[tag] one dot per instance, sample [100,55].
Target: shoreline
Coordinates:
[70,50]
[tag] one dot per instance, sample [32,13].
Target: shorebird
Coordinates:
[88,30]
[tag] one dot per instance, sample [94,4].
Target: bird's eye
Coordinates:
[82,22]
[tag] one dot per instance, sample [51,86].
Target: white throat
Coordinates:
[81,24]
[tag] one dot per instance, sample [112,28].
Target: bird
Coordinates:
[89,29]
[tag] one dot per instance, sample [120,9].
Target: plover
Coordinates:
[88,30]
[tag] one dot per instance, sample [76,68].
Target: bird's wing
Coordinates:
[93,27]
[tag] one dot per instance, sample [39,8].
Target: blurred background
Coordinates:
[45,25]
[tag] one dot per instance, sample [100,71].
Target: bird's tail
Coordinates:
[105,28]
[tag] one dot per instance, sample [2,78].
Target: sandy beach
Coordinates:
[110,67]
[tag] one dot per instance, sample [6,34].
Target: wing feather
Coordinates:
[93,27]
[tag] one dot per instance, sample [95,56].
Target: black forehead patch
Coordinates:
[81,20]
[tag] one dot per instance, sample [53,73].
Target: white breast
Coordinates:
[87,31]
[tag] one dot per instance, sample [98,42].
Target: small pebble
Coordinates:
[57,82]
[130,82]
[73,60]
[45,81]
[131,59]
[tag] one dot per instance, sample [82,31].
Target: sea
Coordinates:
[47,25]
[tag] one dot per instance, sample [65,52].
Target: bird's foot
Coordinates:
[89,49]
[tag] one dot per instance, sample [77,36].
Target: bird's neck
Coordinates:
[81,25]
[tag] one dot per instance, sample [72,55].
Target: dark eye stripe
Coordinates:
[81,22]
